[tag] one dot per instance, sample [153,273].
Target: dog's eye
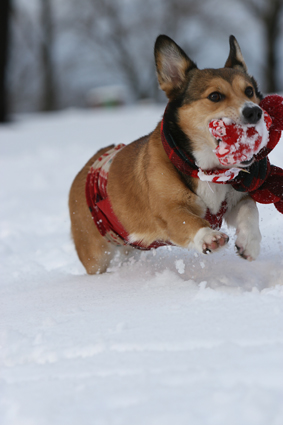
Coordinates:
[215,96]
[249,91]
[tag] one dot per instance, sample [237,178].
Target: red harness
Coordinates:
[268,183]
[100,206]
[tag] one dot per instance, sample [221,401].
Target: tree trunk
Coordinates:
[4,24]
[49,98]
[271,21]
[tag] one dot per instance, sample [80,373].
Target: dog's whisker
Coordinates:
[210,187]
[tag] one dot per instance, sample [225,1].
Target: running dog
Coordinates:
[150,193]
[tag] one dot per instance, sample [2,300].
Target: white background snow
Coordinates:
[165,337]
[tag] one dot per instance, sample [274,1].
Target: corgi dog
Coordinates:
[138,195]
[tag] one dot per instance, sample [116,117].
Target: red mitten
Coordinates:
[239,143]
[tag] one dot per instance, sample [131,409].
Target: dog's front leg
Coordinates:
[245,218]
[190,231]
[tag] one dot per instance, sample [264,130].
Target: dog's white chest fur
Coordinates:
[212,195]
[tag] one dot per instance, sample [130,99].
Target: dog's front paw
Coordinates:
[248,244]
[207,240]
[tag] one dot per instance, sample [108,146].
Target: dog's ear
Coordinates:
[172,65]
[235,58]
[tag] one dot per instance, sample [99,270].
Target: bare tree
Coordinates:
[270,14]
[122,34]
[111,42]
[23,70]
[49,98]
[4,26]
[32,64]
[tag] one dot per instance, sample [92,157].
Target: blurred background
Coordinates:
[57,54]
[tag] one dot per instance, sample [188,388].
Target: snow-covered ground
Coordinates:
[167,337]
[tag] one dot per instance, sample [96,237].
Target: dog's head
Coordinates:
[196,97]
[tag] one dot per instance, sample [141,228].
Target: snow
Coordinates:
[180,266]
[165,337]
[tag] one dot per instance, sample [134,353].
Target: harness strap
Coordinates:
[100,206]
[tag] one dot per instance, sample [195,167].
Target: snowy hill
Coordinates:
[165,337]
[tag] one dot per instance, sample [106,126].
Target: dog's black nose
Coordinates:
[252,114]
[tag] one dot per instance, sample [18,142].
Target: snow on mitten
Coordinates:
[239,143]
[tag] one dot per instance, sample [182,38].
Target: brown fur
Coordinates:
[152,200]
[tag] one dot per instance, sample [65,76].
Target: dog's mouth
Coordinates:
[248,162]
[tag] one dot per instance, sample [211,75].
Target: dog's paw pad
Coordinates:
[214,242]
[248,245]
[245,254]
[208,240]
